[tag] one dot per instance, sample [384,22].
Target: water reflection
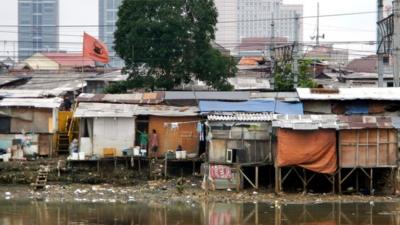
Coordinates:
[41,213]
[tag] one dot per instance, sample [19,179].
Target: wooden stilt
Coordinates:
[340,181]
[256,172]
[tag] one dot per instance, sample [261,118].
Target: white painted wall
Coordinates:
[116,133]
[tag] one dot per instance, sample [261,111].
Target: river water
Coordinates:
[188,213]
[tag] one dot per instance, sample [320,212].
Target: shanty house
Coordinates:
[106,129]
[350,101]
[240,135]
[308,142]
[367,143]
[35,119]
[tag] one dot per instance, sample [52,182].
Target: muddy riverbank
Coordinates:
[165,192]
[119,183]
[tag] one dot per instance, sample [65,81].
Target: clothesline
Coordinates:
[186,122]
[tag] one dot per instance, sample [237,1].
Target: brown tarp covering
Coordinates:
[313,150]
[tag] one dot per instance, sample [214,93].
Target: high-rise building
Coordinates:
[38,27]
[108,16]
[238,19]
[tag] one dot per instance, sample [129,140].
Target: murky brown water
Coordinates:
[41,213]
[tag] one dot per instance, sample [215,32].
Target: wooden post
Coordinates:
[304,181]
[257,177]
[340,181]
[238,177]
[357,181]
[140,166]
[278,184]
[371,184]
[166,168]
[193,166]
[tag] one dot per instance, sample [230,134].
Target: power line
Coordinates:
[221,22]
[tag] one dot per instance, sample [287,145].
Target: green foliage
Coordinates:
[284,80]
[168,43]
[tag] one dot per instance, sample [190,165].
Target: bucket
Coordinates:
[143,152]
[74,156]
[136,151]
[178,154]
[81,155]
[183,154]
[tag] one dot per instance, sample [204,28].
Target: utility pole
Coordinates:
[396,43]
[317,39]
[295,68]
[271,49]
[379,37]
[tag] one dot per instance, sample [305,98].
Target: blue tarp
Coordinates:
[253,106]
[357,108]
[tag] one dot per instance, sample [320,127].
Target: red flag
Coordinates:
[95,49]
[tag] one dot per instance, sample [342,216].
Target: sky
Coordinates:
[343,28]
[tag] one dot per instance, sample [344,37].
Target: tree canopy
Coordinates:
[284,79]
[166,43]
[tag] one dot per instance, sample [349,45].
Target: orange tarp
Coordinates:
[313,150]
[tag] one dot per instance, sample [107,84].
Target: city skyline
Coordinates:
[336,29]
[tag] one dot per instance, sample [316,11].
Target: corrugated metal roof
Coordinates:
[4,80]
[92,110]
[110,77]
[135,98]
[250,83]
[364,122]
[242,117]
[389,94]
[17,93]
[281,96]
[164,110]
[306,122]
[207,95]
[31,102]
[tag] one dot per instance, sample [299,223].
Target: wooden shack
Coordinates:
[34,120]
[240,138]
[366,143]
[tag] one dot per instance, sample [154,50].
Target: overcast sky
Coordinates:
[85,12]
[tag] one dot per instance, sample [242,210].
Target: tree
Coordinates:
[168,43]
[284,80]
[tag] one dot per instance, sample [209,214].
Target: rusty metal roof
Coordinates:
[165,110]
[31,102]
[342,94]
[365,122]
[94,109]
[135,98]
[241,117]
[305,122]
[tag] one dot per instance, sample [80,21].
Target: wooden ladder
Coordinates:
[41,179]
